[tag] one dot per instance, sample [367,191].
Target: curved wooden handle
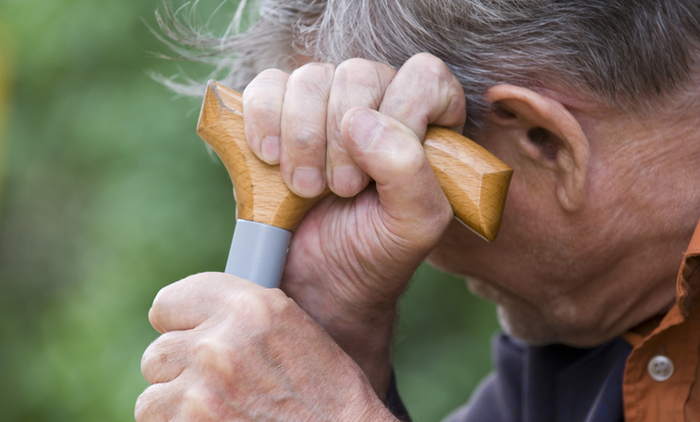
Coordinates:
[474,181]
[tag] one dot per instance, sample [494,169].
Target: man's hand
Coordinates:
[232,350]
[355,252]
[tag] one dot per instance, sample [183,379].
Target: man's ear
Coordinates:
[547,134]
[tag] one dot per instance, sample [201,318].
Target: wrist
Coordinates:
[366,405]
[369,343]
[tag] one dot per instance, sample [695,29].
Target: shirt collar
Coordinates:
[688,283]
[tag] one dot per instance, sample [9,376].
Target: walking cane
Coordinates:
[474,181]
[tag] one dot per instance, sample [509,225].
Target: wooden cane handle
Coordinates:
[474,181]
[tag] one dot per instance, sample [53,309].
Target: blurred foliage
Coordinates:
[109,195]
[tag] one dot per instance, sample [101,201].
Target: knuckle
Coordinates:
[278,301]
[262,98]
[193,285]
[307,138]
[261,107]
[305,141]
[220,352]
[437,70]
[430,65]
[215,356]
[270,80]
[209,348]
[161,295]
[140,409]
[271,76]
[201,405]
[314,78]
[164,351]
[354,63]
[264,306]
[252,301]
[160,303]
[170,296]
[147,361]
[317,69]
[195,279]
[147,404]
[363,73]
[356,70]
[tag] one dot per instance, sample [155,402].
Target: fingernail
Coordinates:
[347,180]
[307,181]
[270,148]
[364,126]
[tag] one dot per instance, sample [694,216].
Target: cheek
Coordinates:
[520,261]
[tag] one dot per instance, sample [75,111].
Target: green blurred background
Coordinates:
[107,195]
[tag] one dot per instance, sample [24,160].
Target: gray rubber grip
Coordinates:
[258,253]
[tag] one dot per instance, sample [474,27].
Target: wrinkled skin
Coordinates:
[350,259]
[598,214]
[240,352]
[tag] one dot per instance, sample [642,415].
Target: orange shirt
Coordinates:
[661,372]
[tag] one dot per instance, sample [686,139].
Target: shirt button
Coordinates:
[660,368]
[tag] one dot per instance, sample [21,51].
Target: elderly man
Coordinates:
[594,104]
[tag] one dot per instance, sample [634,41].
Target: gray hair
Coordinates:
[626,54]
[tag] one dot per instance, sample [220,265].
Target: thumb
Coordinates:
[411,199]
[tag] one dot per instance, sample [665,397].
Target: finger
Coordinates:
[424,92]
[165,359]
[303,135]
[357,82]
[158,403]
[189,302]
[201,404]
[262,113]
[410,197]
